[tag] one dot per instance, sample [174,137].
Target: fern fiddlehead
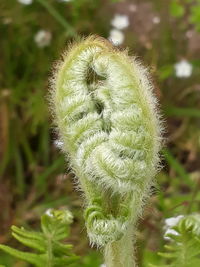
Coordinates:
[105,113]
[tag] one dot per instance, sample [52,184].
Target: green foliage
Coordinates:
[176,8]
[31,167]
[195,16]
[165,71]
[176,166]
[51,251]
[184,247]
[50,8]
[92,259]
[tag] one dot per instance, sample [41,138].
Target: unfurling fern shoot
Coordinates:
[106,117]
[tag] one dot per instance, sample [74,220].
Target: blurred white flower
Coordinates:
[169,231]
[116,37]
[64,0]
[120,22]
[25,2]
[102,265]
[183,69]
[58,143]
[169,223]
[48,212]
[42,38]
[156,20]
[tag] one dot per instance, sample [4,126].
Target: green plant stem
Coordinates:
[49,253]
[194,194]
[181,112]
[70,30]
[177,166]
[121,253]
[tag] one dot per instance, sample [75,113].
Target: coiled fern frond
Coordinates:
[105,112]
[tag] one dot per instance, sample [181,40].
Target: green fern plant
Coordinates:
[106,116]
[184,247]
[51,251]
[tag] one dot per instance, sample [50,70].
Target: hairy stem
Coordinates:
[121,253]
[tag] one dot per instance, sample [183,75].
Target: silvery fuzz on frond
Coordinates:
[107,120]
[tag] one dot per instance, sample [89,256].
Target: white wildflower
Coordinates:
[64,0]
[169,231]
[25,2]
[183,69]
[116,37]
[120,22]
[102,265]
[169,223]
[48,212]
[58,143]
[156,20]
[42,38]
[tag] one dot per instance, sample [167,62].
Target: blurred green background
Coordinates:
[164,35]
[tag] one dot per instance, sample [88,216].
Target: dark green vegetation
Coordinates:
[34,176]
[50,250]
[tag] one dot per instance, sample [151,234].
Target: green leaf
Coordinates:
[28,234]
[184,248]
[175,164]
[181,112]
[195,17]
[35,244]
[55,227]
[177,9]
[63,22]
[165,72]
[50,227]
[37,260]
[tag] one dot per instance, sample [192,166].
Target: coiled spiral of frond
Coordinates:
[106,116]
[103,228]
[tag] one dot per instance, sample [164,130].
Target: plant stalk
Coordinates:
[49,253]
[121,253]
